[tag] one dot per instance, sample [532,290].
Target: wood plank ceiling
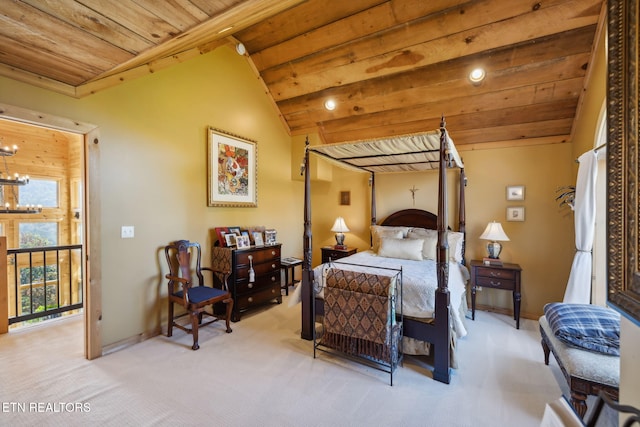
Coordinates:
[393,67]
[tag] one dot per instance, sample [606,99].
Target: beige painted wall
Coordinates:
[153,165]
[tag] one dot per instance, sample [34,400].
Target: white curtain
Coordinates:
[579,285]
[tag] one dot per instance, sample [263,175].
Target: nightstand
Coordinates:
[505,277]
[329,253]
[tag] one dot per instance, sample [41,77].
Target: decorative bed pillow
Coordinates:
[378,231]
[391,247]
[429,248]
[456,241]
[424,232]
[586,326]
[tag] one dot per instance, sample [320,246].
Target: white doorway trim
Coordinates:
[92,285]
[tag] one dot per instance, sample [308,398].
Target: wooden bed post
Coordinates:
[441,371]
[374,220]
[462,214]
[307,273]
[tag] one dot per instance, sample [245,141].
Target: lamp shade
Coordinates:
[494,232]
[340,227]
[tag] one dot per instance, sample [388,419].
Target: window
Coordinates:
[39,192]
[38,234]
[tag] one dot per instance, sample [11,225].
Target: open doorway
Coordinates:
[79,221]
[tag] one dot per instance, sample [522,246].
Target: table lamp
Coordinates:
[495,234]
[339,227]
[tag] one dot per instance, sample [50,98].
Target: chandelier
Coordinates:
[13,180]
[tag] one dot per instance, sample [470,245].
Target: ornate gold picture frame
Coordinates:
[232,170]
[623,160]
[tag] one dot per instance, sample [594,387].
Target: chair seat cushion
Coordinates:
[198,294]
[587,326]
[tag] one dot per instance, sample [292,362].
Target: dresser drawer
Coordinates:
[495,273]
[259,256]
[493,282]
[242,272]
[243,285]
[265,294]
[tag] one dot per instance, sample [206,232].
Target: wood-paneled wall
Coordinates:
[43,154]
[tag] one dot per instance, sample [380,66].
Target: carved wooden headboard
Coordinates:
[412,218]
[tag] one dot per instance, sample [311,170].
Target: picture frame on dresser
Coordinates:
[232,170]
[270,237]
[257,238]
[220,232]
[242,242]
[230,239]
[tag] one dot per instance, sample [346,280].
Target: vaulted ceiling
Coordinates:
[393,67]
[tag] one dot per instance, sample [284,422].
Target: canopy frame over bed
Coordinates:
[409,153]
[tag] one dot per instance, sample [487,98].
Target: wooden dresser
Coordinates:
[266,284]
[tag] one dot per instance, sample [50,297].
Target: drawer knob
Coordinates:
[273,266]
[250,299]
[273,291]
[250,286]
[273,252]
[273,279]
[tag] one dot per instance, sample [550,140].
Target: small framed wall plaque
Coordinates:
[515,192]
[515,213]
[345,198]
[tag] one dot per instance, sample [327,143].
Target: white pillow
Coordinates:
[391,247]
[456,241]
[378,231]
[430,249]
[422,232]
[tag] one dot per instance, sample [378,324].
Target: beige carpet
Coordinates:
[263,374]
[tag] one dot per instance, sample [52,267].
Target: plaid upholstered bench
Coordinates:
[587,372]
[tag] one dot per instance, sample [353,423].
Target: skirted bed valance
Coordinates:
[406,153]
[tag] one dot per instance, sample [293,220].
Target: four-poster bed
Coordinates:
[418,152]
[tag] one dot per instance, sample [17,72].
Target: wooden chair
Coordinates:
[194,298]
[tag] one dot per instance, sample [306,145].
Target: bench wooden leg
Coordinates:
[579,402]
[546,350]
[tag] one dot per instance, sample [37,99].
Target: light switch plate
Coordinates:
[127,232]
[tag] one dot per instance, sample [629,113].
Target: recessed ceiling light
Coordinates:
[330,104]
[241,49]
[477,75]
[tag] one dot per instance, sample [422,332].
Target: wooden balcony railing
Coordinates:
[40,282]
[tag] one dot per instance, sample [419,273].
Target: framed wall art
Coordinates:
[345,198]
[232,170]
[515,192]
[515,213]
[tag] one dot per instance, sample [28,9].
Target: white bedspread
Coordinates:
[419,284]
